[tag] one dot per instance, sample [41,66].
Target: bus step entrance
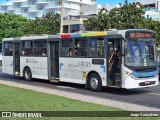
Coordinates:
[113,86]
[54,80]
[114,80]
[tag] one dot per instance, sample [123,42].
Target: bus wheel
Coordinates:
[27,74]
[94,82]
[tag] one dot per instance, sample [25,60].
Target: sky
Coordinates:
[98,1]
[1,1]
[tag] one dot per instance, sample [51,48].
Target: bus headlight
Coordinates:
[132,76]
[156,76]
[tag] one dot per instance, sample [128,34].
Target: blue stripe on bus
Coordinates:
[61,64]
[104,68]
[145,74]
[75,35]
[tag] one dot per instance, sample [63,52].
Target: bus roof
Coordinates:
[73,35]
[63,35]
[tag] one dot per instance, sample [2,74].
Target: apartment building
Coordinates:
[151,8]
[36,8]
[75,11]
[73,20]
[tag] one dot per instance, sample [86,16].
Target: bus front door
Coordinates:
[54,59]
[114,63]
[16,58]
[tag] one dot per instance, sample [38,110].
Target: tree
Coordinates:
[99,22]
[127,16]
[48,24]
[12,25]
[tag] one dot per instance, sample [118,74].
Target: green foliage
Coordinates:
[48,24]
[100,22]
[12,25]
[127,16]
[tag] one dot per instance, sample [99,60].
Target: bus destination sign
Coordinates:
[140,34]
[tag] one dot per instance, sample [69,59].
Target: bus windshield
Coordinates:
[140,53]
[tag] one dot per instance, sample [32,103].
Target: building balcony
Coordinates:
[153,16]
[40,14]
[25,5]
[42,2]
[32,16]
[1,11]
[10,8]
[18,1]
[24,15]
[18,11]
[86,2]
[149,9]
[58,6]
[33,10]
[52,6]
[6,4]
[73,21]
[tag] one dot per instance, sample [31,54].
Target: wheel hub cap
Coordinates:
[94,83]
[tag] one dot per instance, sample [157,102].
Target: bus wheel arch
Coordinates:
[93,81]
[27,73]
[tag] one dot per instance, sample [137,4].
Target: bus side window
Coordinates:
[8,49]
[96,47]
[40,48]
[80,47]
[26,49]
[67,48]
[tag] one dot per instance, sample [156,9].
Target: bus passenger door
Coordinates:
[114,63]
[16,58]
[54,59]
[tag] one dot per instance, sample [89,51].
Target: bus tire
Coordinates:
[27,74]
[94,82]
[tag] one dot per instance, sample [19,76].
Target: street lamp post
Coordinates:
[61,28]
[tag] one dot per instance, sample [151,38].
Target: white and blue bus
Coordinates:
[118,59]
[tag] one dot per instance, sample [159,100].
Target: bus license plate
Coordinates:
[147,82]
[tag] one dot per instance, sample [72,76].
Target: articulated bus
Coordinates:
[118,59]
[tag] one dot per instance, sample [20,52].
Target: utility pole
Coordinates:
[61,28]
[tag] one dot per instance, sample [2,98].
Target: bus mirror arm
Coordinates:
[125,40]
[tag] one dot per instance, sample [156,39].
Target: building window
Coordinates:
[18,6]
[8,49]
[74,28]
[96,47]
[40,48]
[41,7]
[25,10]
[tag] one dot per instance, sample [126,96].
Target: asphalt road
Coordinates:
[149,97]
